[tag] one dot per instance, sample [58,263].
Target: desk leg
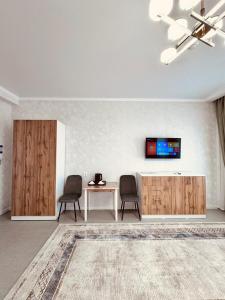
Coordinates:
[85,205]
[115,204]
[88,201]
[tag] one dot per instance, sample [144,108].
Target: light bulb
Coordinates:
[159,8]
[218,25]
[188,4]
[175,32]
[168,55]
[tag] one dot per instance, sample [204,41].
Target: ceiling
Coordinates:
[99,49]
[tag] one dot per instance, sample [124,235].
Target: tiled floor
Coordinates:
[21,240]
[107,216]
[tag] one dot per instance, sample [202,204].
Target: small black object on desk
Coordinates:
[98,180]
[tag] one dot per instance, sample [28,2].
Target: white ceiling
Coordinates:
[99,49]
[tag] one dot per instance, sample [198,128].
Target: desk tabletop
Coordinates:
[110,186]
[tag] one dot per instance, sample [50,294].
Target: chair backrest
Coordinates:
[128,185]
[73,185]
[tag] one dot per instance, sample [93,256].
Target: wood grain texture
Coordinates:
[109,187]
[30,200]
[18,177]
[34,168]
[173,195]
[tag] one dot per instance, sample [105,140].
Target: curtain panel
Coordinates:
[220,114]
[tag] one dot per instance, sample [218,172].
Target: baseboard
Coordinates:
[4,211]
[33,218]
[222,209]
[131,207]
[173,217]
[68,207]
[212,207]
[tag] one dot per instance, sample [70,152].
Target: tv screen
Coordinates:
[163,148]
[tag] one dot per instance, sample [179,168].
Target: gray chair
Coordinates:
[128,192]
[72,193]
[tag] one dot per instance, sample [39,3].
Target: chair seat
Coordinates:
[130,198]
[69,198]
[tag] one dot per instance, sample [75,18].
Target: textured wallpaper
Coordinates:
[6,166]
[109,137]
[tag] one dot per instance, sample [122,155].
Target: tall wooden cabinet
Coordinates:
[38,169]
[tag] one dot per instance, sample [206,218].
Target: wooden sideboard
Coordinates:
[172,195]
[38,168]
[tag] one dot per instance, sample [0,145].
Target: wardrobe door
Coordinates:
[19,159]
[31,164]
[34,168]
[46,170]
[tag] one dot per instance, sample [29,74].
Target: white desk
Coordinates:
[109,187]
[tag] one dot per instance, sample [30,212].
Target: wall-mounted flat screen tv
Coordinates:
[163,148]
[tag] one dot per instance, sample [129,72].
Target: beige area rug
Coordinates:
[130,261]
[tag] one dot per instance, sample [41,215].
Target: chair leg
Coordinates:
[65,206]
[75,214]
[123,205]
[138,212]
[59,212]
[79,205]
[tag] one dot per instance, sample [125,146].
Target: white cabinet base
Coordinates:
[33,218]
[146,217]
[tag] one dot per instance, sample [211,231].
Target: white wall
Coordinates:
[109,137]
[6,166]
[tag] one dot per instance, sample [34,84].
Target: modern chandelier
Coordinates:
[207,25]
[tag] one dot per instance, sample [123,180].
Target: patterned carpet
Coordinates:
[128,261]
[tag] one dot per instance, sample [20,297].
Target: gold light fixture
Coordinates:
[206,27]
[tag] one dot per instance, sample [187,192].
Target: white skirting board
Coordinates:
[33,218]
[4,211]
[173,217]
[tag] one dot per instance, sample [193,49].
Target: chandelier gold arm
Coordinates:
[207,26]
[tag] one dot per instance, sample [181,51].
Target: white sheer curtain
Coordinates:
[220,114]
[221,183]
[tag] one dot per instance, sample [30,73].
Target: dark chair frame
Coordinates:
[73,187]
[128,188]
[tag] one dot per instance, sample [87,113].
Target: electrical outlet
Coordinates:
[85,174]
[1,153]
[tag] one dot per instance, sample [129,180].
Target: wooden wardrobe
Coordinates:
[38,169]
